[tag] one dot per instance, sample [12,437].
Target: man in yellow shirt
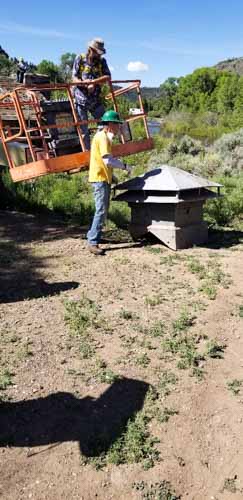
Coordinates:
[100,175]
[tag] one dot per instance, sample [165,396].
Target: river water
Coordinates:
[154,127]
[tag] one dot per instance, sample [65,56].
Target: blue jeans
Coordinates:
[96,111]
[101,192]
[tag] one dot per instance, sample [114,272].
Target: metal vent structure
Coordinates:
[168,203]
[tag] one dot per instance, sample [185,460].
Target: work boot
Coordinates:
[95,249]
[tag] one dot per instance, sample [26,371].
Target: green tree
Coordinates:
[46,67]
[227,90]
[195,91]
[66,65]
[168,91]
[237,117]
[7,66]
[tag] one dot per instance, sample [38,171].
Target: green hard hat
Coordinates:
[111,116]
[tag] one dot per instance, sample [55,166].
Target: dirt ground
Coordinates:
[160,335]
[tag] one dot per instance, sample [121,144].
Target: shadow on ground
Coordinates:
[220,238]
[20,269]
[61,417]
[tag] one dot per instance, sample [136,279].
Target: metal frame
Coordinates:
[43,159]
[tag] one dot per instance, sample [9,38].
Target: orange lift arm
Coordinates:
[33,133]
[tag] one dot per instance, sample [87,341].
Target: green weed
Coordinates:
[181,343]
[230,485]
[156,330]
[142,360]
[135,445]
[198,373]
[154,301]
[170,260]
[25,350]
[214,349]
[81,316]
[124,314]
[6,379]
[154,250]
[195,267]
[184,322]
[165,414]
[156,491]
[210,274]
[235,386]
[122,260]
[167,380]
[103,374]
[209,290]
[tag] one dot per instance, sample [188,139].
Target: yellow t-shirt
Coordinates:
[98,171]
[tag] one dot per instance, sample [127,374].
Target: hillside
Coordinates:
[235,65]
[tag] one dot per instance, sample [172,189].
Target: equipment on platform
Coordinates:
[45,130]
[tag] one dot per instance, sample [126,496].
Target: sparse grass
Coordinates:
[128,342]
[146,344]
[103,374]
[24,351]
[195,267]
[156,330]
[167,381]
[198,373]
[185,347]
[241,311]
[209,290]
[235,386]
[171,260]
[142,360]
[156,491]
[210,274]
[85,348]
[81,316]
[214,349]
[165,414]
[230,485]
[7,337]
[122,260]
[135,445]
[125,314]
[154,250]
[154,301]
[5,379]
[181,343]
[184,322]
[198,306]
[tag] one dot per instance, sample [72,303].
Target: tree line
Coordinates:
[58,73]
[206,90]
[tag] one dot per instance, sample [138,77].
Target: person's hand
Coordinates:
[128,169]
[91,88]
[114,179]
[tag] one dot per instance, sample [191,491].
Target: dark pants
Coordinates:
[96,111]
[20,76]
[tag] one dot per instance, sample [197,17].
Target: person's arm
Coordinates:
[105,68]
[111,161]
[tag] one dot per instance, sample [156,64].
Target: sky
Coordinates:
[147,39]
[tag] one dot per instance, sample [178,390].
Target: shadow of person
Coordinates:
[15,292]
[61,417]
